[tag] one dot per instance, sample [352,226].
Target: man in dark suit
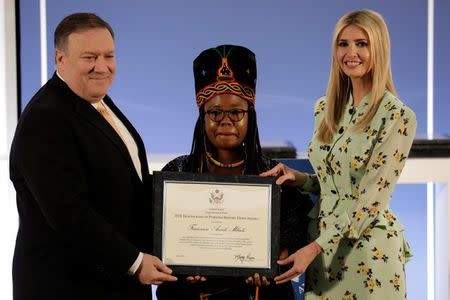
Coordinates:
[80,172]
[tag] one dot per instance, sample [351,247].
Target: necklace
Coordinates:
[222,165]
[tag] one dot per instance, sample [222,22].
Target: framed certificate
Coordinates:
[216,225]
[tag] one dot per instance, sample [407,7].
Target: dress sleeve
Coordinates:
[311,184]
[376,186]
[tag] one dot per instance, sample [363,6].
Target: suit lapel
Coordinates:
[140,144]
[87,111]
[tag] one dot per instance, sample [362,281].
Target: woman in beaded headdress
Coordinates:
[226,141]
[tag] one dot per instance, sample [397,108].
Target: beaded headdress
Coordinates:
[225,69]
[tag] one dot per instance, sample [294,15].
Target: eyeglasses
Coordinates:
[235,114]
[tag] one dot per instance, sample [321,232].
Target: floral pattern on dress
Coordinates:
[364,250]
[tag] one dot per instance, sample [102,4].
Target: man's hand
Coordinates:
[153,271]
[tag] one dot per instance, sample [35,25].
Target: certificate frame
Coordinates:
[242,266]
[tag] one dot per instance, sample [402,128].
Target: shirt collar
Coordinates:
[93,104]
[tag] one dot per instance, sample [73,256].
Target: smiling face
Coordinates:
[87,63]
[227,134]
[353,53]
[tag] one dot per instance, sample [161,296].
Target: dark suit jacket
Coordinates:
[84,213]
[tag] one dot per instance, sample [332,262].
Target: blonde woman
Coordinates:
[362,137]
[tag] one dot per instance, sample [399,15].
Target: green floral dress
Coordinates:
[363,248]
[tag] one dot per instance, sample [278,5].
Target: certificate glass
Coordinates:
[216,225]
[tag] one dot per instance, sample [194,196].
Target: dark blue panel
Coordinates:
[298,164]
[30,51]
[442,67]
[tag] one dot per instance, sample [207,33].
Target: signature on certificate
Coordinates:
[244,258]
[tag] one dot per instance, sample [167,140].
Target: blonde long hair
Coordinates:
[340,86]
